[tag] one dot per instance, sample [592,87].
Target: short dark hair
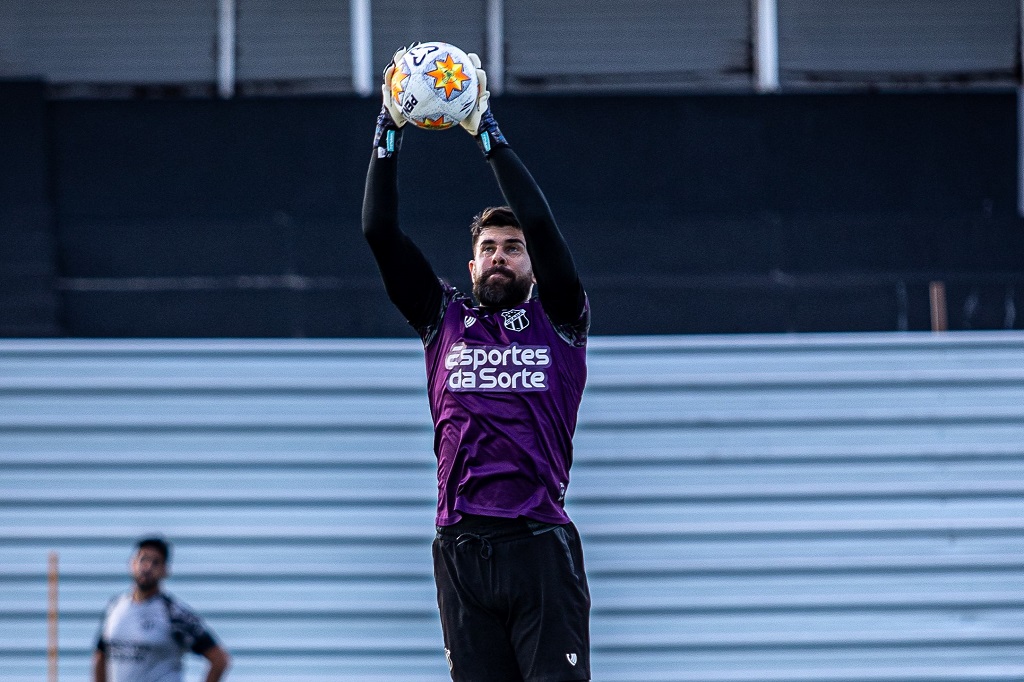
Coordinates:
[494,216]
[159,544]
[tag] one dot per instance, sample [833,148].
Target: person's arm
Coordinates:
[99,666]
[190,632]
[558,282]
[408,278]
[219,663]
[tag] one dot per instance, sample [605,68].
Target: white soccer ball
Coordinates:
[435,84]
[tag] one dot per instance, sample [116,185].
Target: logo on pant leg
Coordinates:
[448,657]
[571,658]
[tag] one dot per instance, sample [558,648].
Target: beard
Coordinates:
[501,292]
[146,583]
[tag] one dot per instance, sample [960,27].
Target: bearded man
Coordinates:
[505,378]
[145,632]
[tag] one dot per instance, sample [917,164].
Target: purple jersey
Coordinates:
[505,387]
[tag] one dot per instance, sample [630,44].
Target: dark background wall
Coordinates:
[687,214]
[28,296]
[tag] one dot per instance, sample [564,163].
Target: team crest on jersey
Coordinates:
[515,320]
[469,321]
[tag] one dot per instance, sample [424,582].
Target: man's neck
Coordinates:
[139,595]
[497,308]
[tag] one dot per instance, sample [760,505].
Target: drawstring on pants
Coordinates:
[485,544]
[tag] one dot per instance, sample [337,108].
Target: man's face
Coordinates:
[501,269]
[148,568]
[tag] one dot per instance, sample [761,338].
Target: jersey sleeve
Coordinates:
[188,629]
[428,331]
[101,641]
[575,333]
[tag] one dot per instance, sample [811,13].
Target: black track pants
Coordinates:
[514,601]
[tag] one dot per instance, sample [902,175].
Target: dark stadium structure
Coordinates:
[688,213]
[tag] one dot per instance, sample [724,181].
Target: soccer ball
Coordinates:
[435,85]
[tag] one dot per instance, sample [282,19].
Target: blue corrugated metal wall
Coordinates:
[305,45]
[777,508]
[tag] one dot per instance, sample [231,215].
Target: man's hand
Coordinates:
[472,122]
[387,139]
[481,124]
[390,104]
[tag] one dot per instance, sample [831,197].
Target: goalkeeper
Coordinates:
[505,375]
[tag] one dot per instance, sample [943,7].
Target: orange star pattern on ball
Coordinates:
[398,81]
[448,75]
[438,123]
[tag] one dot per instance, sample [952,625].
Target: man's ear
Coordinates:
[472,269]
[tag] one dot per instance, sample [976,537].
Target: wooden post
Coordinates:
[52,647]
[937,295]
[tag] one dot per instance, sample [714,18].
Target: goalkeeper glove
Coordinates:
[481,124]
[387,139]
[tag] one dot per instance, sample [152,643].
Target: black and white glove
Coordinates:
[387,139]
[481,124]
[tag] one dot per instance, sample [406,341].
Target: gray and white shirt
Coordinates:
[145,642]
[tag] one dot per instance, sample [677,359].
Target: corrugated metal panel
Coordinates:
[912,42]
[605,45]
[397,23]
[302,41]
[117,41]
[816,508]
[600,45]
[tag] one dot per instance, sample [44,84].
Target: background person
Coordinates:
[145,633]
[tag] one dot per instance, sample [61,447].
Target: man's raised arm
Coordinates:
[408,278]
[560,290]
